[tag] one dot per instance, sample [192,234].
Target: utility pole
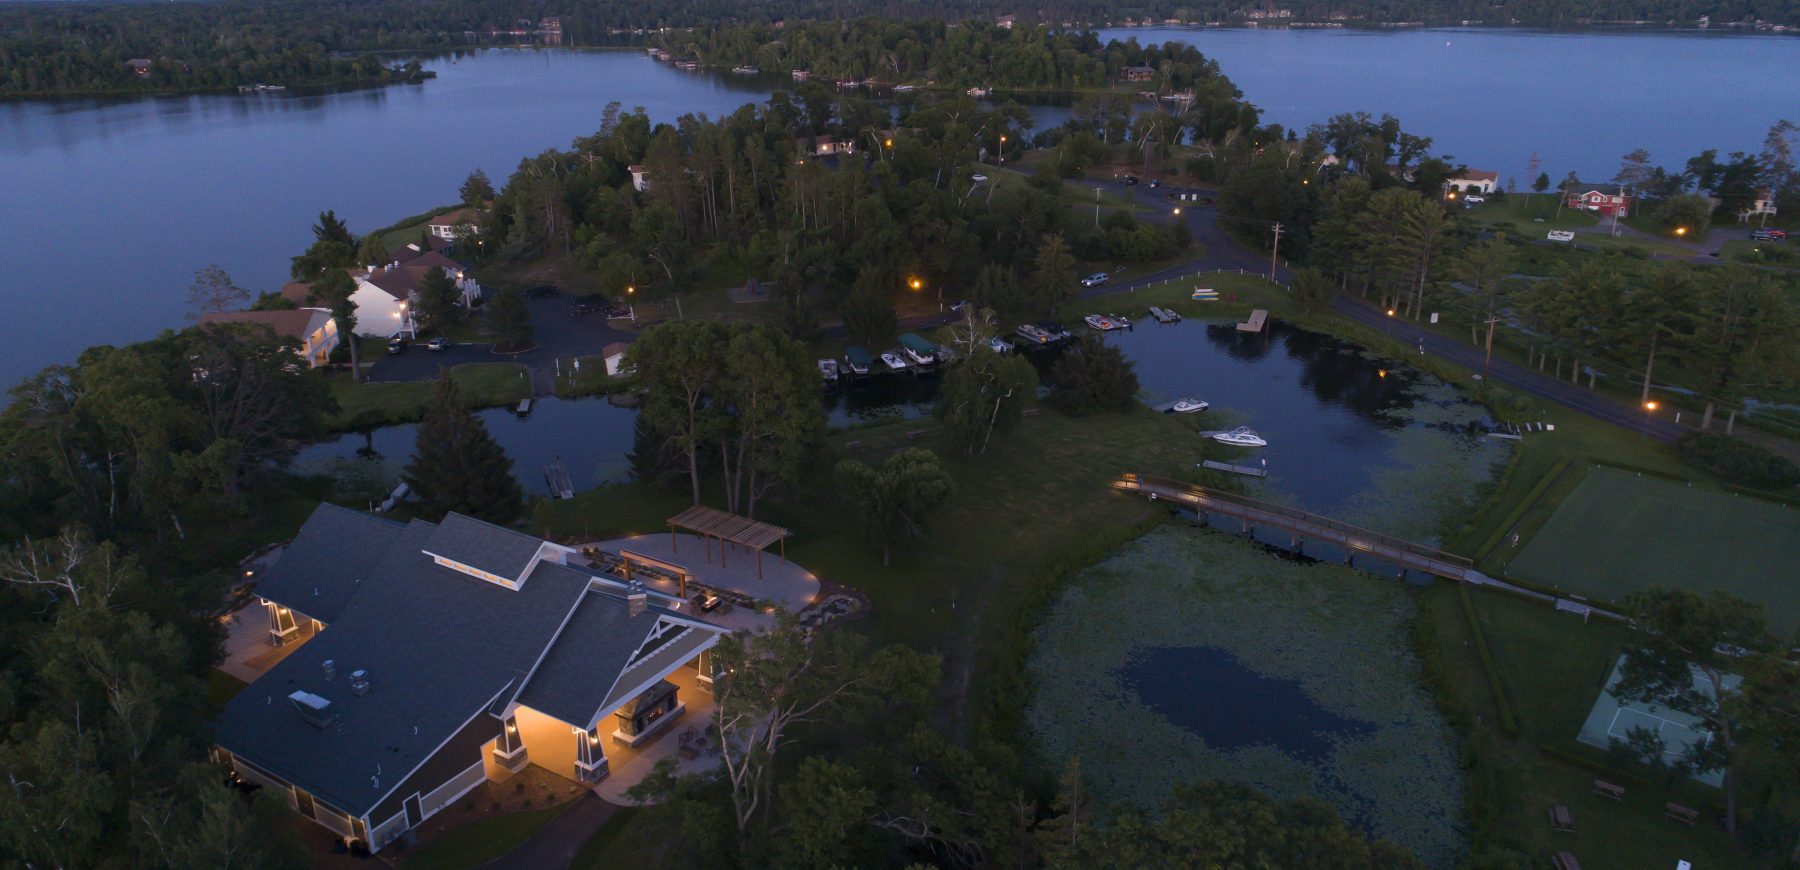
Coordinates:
[1276,251]
[1490,347]
[1096,208]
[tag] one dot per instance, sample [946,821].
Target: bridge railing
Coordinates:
[1356,534]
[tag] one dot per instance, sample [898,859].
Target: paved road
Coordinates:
[1511,374]
[555,844]
[558,334]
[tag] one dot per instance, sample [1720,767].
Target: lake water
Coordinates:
[110,207]
[1208,692]
[1491,97]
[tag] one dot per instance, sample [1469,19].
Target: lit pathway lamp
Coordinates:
[1649,408]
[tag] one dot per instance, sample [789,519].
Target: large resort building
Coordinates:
[428,658]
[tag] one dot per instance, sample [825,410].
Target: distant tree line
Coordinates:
[49,49]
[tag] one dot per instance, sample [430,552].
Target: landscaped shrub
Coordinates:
[1738,461]
[1509,725]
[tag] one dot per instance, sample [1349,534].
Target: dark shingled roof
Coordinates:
[441,648]
[585,662]
[322,567]
[439,645]
[491,548]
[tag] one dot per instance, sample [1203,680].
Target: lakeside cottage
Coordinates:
[432,657]
[387,295]
[1477,181]
[1605,199]
[314,328]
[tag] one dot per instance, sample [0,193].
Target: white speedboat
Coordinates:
[828,369]
[1190,405]
[1101,323]
[893,362]
[1000,345]
[1242,436]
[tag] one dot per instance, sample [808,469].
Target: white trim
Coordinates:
[544,653]
[660,674]
[433,753]
[479,768]
[472,571]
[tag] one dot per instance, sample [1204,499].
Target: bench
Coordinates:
[1031,412]
[1565,861]
[1684,815]
[1561,819]
[916,434]
[1608,790]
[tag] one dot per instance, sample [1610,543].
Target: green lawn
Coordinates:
[1786,254]
[482,384]
[1620,531]
[1520,214]
[1551,667]
[477,843]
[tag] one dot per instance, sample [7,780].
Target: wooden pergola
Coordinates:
[710,523]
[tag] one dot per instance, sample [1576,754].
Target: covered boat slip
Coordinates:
[730,528]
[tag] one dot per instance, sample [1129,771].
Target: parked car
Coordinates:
[397,345]
[1096,279]
[1768,235]
[1560,236]
[1155,183]
[1475,198]
[1131,179]
[439,343]
[978,178]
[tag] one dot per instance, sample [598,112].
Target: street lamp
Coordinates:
[630,306]
[1681,231]
[916,283]
[1178,211]
[1002,150]
[1649,407]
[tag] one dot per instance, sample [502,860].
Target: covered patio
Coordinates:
[783,584]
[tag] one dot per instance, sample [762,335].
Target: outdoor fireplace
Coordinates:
[647,713]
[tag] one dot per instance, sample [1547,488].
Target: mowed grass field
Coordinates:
[1621,531]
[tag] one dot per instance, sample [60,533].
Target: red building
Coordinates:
[1602,199]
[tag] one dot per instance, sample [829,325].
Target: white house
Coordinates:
[614,354]
[453,225]
[314,328]
[640,177]
[1762,207]
[1478,181]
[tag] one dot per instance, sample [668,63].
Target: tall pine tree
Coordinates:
[457,466]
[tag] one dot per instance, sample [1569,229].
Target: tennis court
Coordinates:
[1621,531]
[1611,719]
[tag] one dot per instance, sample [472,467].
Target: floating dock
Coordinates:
[1163,315]
[524,407]
[1259,319]
[1247,470]
[556,476]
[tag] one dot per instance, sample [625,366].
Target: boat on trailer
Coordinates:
[1242,436]
[1190,405]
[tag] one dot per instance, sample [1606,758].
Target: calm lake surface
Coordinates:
[1350,434]
[110,207]
[1208,692]
[1491,96]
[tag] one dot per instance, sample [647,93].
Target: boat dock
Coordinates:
[556,476]
[524,407]
[1259,320]
[1247,470]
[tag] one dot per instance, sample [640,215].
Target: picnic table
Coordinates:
[1608,790]
[1561,819]
[1685,815]
[1565,861]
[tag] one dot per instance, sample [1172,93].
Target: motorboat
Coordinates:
[893,361]
[745,70]
[1101,323]
[1033,334]
[1053,331]
[919,349]
[1000,345]
[828,369]
[1242,436]
[1190,405]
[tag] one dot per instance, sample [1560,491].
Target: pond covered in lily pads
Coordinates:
[1207,691]
[1187,656]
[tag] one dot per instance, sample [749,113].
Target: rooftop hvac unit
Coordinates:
[314,709]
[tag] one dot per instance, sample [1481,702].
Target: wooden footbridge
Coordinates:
[1354,541]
